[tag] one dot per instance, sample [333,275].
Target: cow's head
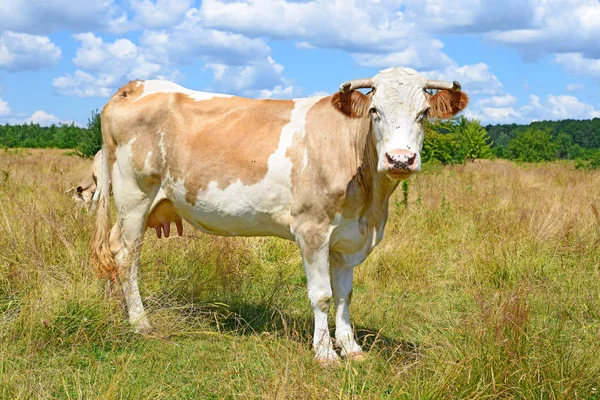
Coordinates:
[83,193]
[398,105]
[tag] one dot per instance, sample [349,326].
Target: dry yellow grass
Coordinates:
[486,285]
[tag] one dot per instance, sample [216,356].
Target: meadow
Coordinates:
[486,285]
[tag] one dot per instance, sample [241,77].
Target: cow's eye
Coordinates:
[423,115]
[373,111]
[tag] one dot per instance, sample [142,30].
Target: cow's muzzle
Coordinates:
[402,162]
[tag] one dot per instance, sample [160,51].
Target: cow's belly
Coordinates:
[262,209]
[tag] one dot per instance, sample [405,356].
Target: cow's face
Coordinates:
[83,194]
[399,106]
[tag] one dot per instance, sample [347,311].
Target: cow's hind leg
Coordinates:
[341,277]
[133,206]
[127,249]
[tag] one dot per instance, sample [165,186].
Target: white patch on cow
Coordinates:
[304,160]
[161,145]
[147,167]
[159,86]
[250,210]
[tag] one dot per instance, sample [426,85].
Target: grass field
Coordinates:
[485,286]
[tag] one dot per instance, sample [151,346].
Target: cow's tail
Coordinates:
[103,259]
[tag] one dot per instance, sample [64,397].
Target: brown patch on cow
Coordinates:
[222,140]
[353,104]
[445,103]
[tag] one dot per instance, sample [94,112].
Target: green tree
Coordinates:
[532,145]
[90,141]
[474,139]
[442,143]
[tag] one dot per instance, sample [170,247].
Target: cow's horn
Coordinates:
[441,85]
[356,84]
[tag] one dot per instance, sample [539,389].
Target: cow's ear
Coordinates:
[353,104]
[445,103]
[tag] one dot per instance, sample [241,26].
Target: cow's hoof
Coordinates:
[328,362]
[357,356]
[143,329]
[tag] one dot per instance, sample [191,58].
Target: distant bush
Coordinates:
[532,145]
[444,148]
[592,162]
[90,141]
[455,141]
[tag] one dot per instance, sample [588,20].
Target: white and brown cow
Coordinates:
[318,171]
[85,191]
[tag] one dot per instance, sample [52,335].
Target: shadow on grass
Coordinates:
[250,319]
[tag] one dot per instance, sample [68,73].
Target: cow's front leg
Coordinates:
[342,294]
[315,256]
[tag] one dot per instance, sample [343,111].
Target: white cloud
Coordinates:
[122,58]
[470,15]
[4,108]
[475,79]
[240,65]
[83,84]
[257,79]
[278,92]
[501,109]
[558,26]
[494,114]
[579,65]
[506,100]
[106,66]
[575,87]
[159,13]
[304,45]
[375,34]
[191,40]
[21,52]
[429,57]
[42,118]
[35,16]
[563,107]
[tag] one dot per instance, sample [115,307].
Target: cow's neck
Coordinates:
[370,186]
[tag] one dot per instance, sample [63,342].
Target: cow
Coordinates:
[318,171]
[84,192]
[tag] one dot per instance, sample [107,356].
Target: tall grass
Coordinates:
[486,285]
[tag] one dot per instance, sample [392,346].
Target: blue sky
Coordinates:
[520,60]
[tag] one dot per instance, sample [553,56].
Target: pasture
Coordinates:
[485,285]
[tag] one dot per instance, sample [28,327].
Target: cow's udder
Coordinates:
[161,217]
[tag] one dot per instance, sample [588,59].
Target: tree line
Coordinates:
[85,141]
[448,142]
[460,139]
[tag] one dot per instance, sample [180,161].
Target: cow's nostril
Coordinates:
[390,159]
[412,158]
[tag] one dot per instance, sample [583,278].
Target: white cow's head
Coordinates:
[398,105]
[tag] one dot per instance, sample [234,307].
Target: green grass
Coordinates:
[485,286]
